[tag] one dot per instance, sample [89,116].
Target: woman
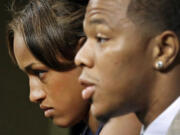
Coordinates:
[43,40]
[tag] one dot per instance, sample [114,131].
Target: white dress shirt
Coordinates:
[161,124]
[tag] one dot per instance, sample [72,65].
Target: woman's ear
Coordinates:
[166,50]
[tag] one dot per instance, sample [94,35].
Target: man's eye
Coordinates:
[101,39]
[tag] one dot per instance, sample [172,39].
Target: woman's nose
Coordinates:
[37,94]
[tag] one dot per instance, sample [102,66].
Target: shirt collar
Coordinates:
[161,124]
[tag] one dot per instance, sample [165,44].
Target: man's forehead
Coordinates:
[109,3]
[111,11]
[113,8]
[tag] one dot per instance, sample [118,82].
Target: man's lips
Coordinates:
[48,111]
[89,90]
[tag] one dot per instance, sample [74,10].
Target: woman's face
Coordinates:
[58,93]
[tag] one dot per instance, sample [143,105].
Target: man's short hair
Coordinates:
[161,14]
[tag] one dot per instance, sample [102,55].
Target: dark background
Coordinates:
[17,115]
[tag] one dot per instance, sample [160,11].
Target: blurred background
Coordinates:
[17,115]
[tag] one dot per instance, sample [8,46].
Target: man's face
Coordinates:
[116,60]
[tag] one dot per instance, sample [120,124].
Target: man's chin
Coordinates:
[100,114]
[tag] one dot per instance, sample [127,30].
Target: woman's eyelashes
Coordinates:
[38,73]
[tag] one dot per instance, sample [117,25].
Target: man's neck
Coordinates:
[92,123]
[166,91]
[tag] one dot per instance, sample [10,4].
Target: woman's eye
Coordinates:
[39,73]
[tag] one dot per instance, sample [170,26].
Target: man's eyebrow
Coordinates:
[97,21]
[100,21]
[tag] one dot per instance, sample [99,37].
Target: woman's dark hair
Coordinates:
[51,30]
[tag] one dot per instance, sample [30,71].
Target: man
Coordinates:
[131,60]
[174,129]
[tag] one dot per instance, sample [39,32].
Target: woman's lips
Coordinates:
[48,111]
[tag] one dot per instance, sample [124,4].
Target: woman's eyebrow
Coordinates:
[28,67]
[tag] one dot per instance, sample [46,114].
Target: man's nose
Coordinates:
[85,56]
[37,94]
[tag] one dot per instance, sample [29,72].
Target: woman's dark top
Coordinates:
[87,130]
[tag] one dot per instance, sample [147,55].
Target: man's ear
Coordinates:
[165,50]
